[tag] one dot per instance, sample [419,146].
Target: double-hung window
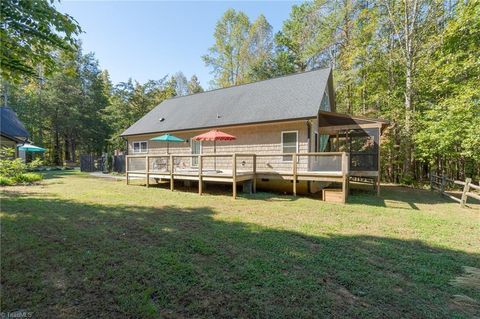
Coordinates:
[140,147]
[196,150]
[289,144]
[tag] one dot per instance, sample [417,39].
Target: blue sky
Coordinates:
[148,39]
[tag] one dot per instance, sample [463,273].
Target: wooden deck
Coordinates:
[140,166]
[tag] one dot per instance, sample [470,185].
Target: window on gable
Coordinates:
[140,147]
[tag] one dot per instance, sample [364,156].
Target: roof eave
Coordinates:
[221,126]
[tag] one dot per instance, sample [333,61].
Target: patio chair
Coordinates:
[159,164]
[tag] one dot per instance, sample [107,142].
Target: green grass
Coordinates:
[78,246]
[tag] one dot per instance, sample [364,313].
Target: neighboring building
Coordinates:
[289,114]
[12,130]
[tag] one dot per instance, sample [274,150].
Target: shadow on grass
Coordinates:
[60,173]
[69,259]
[399,194]
[219,189]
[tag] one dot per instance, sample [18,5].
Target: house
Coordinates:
[275,121]
[12,130]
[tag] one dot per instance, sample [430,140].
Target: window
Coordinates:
[140,147]
[325,104]
[196,149]
[289,144]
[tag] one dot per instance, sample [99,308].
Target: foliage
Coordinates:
[63,110]
[130,101]
[240,48]
[14,171]
[30,33]
[414,63]
[451,112]
[13,168]
[6,181]
[194,85]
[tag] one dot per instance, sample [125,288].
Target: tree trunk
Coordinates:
[74,156]
[67,149]
[56,148]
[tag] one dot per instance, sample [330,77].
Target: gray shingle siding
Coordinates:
[285,98]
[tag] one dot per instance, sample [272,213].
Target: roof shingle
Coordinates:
[11,126]
[283,98]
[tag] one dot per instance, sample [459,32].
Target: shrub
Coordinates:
[12,168]
[29,178]
[14,171]
[36,163]
[6,181]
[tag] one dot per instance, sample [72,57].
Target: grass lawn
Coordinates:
[79,246]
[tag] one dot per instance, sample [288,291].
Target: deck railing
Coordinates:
[239,166]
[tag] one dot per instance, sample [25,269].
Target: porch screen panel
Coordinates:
[364,149]
[323,142]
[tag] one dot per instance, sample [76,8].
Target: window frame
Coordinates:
[194,163]
[296,145]
[139,147]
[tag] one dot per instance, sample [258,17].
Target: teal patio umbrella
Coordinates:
[168,138]
[31,148]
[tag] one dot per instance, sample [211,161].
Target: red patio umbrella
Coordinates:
[214,135]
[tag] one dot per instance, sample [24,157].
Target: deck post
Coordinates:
[200,179]
[234,175]
[171,173]
[337,141]
[147,169]
[126,167]
[254,173]
[294,173]
[345,177]
[466,188]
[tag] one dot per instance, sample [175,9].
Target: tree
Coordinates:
[181,84]
[260,48]
[450,114]
[131,101]
[240,48]
[30,34]
[411,23]
[227,56]
[297,37]
[194,85]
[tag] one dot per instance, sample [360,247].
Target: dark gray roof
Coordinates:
[283,98]
[11,126]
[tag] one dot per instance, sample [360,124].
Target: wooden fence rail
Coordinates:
[440,183]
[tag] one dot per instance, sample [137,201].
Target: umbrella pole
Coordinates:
[214,158]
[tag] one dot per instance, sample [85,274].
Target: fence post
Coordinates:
[431,182]
[466,188]
[442,186]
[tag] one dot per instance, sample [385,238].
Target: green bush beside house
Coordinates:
[15,171]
